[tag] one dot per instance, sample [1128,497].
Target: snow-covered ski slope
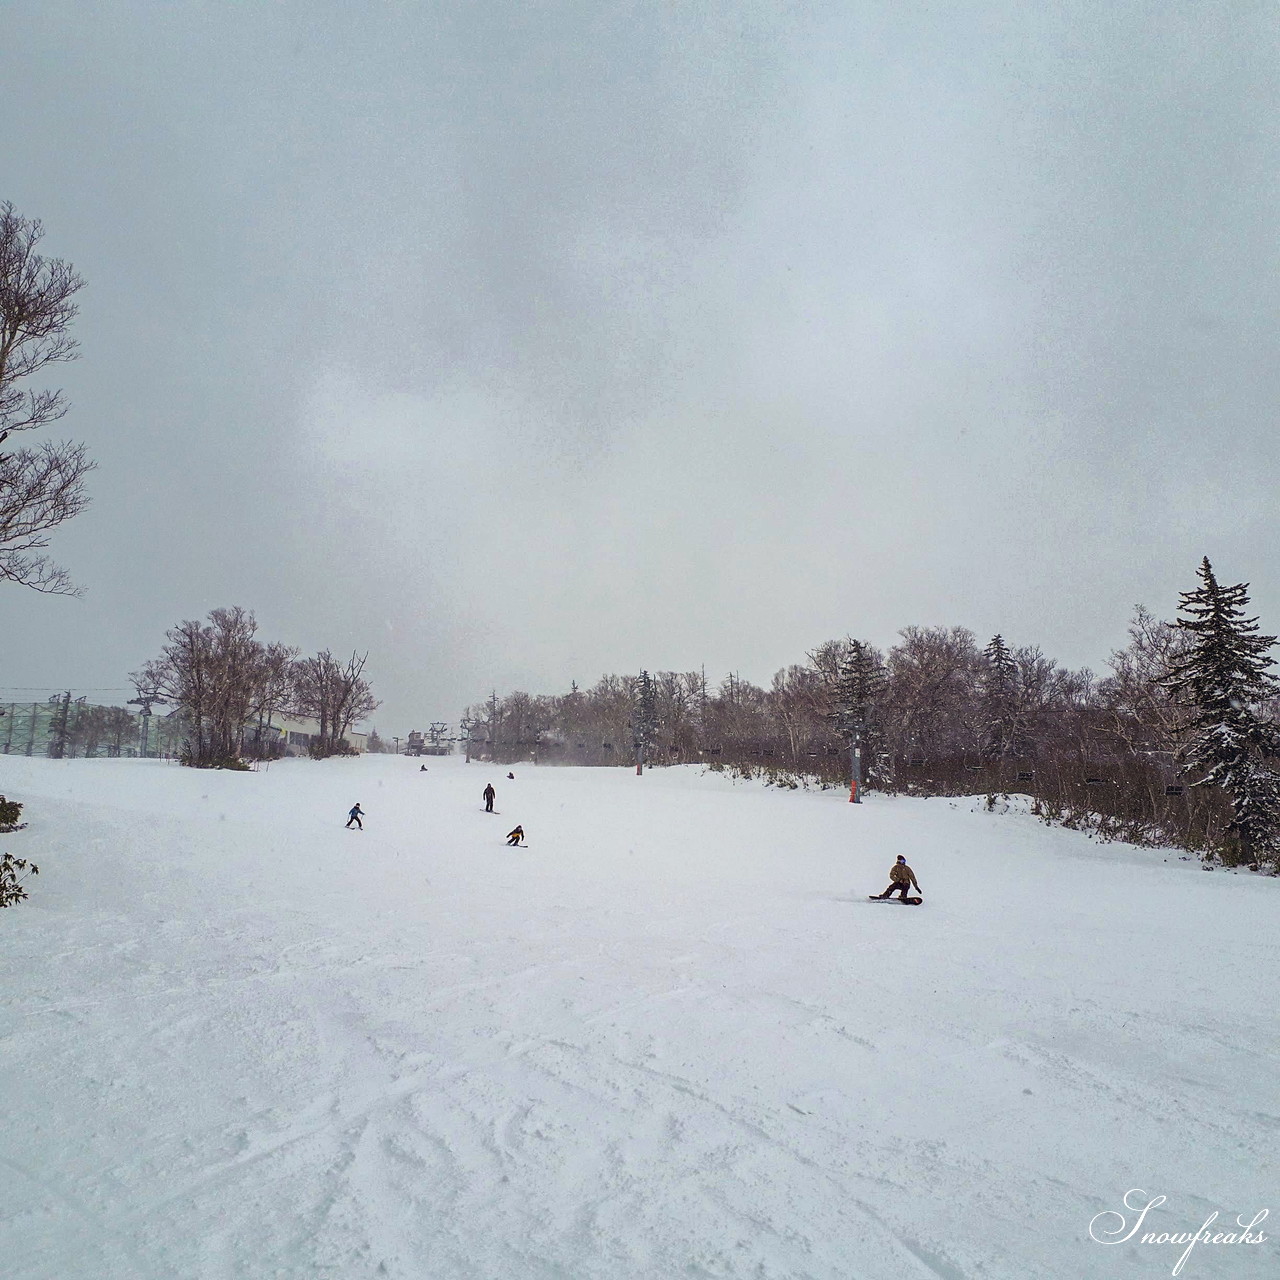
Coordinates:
[672,1038]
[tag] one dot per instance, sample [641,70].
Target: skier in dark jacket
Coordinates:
[901,878]
[514,837]
[489,796]
[355,816]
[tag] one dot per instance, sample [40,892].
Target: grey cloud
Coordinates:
[519,342]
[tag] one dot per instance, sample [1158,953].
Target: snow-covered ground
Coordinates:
[670,1038]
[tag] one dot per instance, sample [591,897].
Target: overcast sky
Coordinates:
[516,342]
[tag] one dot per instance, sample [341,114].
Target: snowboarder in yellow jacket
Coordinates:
[901,878]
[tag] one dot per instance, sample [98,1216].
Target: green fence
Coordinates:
[66,727]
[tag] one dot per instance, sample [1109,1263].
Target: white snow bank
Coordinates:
[670,1038]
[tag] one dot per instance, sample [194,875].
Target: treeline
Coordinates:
[1122,754]
[226,685]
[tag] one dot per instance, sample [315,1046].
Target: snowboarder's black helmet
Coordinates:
[901,858]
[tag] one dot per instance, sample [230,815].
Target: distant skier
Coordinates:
[901,878]
[512,776]
[422,768]
[354,816]
[514,837]
[490,795]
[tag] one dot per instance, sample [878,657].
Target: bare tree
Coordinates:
[273,694]
[314,693]
[42,488]
[182,675]
[1142,716]
[356,700]
[934,674]
[121,727]
[219,677]
[336,695]
[798,700]
[676,707]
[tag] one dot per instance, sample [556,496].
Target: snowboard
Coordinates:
[913,902]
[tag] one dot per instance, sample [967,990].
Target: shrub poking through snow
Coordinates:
[13,871]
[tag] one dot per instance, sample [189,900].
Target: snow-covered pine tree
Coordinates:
[1220,681]
[999,699]
[644,718]
[859,685]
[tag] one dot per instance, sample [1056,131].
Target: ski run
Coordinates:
[672,1038]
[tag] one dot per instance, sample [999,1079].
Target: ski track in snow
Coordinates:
[241,1041]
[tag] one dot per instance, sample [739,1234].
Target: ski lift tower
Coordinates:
[146,701]
[856,729]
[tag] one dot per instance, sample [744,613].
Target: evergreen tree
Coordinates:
[1221,680]
[1000,700]
[859,685]
[644,718]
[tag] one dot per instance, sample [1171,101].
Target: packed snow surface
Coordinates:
[669,1038]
